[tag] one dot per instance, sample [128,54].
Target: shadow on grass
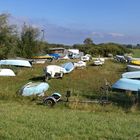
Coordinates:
[38,78]
[121,99]
[92,96]
[92,64]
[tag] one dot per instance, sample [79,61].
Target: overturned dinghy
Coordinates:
[133,68]
[99,62]
[127,84]
[131,75]
[53,71]
[80,64]
[37,88]
[135,62]
[15,62]
[6,72]
[68,67]
[120,58]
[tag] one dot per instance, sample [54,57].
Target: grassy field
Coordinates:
[26,119]
[136,53]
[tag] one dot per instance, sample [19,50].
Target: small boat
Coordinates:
[85,58]
[15,62]
[80,64]
[120,58]
[68,67]
[127,84]
[133,68]
[99,62]
[135,62]
[128,58]
[38,61]
[6,72]
[55,55]
[53,71]
[66,57]
[131,75]
[42,57]
[31,88]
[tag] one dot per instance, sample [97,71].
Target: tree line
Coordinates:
[27,42]
[103,49]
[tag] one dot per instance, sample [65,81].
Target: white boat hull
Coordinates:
[15,62]
[6,72]
[133,68]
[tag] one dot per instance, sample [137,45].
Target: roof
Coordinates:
[56,48]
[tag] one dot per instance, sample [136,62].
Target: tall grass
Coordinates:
[38,122]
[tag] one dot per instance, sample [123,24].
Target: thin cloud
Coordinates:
[103,34]
[98,34]
[116,34]
[66,35]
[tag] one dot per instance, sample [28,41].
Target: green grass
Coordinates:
[26,119]
[80,81]
[29,122]
[136,53]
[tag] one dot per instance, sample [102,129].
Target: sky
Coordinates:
[71,21]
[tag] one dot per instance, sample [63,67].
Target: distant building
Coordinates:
[71,53]
[57,50]
[74,51]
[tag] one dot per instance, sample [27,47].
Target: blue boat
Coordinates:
[127,84]
[68,67]
[131,75]
[37,88]
[15,62]
[55,55]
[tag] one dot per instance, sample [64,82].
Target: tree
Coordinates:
[88,41]
[7,37]
[27,45]
[43,47]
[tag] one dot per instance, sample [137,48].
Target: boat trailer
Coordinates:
[56,97]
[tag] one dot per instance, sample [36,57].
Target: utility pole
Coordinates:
[43,33]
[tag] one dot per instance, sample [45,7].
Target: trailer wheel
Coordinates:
[61,75]
[47,77]
[49,102]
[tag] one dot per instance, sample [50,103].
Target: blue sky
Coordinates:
[71,21]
